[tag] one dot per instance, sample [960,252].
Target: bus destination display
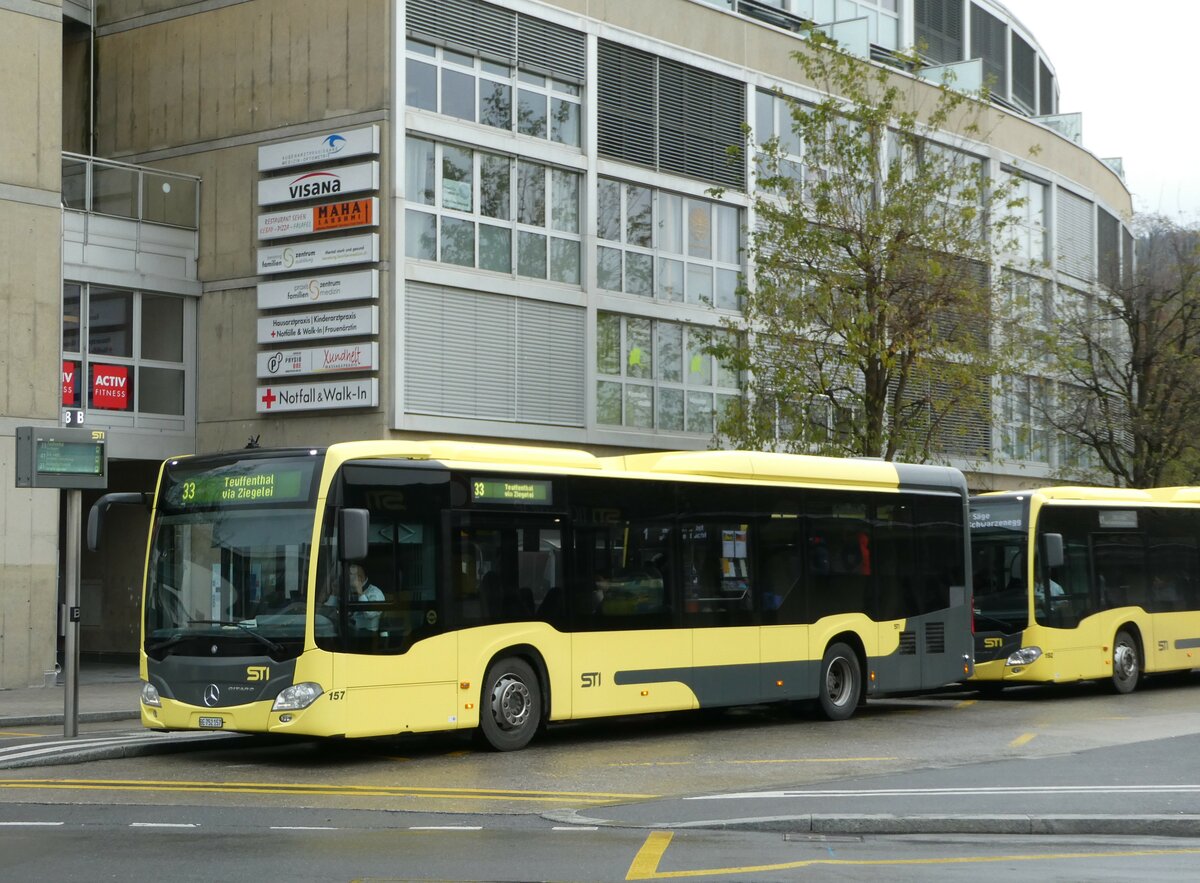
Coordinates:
[237,485]
[499,490]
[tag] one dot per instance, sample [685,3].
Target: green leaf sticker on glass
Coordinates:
[635,356]
[696,364]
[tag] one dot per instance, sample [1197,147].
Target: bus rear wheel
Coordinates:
[1126,663]
[841,683]
[511,708]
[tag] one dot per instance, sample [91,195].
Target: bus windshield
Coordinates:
[229,559]
[998,543]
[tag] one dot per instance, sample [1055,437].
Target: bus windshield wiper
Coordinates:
[165,643]
[262,639]
[1002,623]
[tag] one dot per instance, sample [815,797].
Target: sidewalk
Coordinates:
[107,692]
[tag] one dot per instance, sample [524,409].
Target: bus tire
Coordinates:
[510,711]
[1126,662]
[841,683]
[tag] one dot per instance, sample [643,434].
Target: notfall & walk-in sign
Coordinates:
[318,396]
[293,328]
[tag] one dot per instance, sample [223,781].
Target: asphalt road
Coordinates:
[755,794]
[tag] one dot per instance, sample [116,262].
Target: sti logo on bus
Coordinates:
[589,679]
[993,642]
[314,184]
[257,673]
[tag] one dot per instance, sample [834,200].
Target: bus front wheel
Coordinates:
[511,710]
[841,683]
[1126,662]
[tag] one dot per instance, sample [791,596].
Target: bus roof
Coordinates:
[1086,494]
[754,466]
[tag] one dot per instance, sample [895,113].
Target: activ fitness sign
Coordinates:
[316,183]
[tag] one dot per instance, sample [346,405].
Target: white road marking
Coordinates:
[575,828]
[163,825]
[446,828]
[951,792]
[303,828]
[29,824]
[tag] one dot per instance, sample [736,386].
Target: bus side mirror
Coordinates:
[353,527]
[1052,544]
[95,525]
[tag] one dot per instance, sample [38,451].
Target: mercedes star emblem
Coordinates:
[212,695]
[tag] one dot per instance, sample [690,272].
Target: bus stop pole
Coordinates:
[74,520]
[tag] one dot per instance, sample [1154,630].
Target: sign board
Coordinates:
[318,396]
[318,255]
[111,387]
[537,492]
[319,360]
[317,183]
[356,285]
[320,218]
[296,327]
[319,148]
[61,458]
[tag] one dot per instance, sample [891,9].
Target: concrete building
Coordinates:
[300,221]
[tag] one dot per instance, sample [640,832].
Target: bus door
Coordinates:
[1119,581]
[385,615]
[627,656]
[1174,591]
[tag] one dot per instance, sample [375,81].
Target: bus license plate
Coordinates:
[212,723]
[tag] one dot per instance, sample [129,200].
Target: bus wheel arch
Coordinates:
[840,685]
[514,698]
[1127,658]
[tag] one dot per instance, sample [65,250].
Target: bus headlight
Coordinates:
[150,695]
[297,696]
[1025,656]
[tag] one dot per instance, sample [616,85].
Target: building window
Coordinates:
[773,120]
[663,245]
[494,94]
[123,353]
[1024,404]
[492,212]
[655,375]
[1029,229]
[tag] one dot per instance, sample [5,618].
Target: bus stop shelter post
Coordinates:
[71,619]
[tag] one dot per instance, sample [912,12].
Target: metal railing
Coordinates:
[107,187]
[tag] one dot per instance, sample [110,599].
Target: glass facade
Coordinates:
[124,353]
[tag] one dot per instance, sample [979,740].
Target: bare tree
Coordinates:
[1127,356]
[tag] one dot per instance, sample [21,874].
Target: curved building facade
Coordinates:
[303,222]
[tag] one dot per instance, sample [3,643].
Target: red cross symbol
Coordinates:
[269,399]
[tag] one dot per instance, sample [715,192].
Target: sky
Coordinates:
[1130,68]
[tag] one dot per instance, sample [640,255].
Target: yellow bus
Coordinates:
[1079,583]
[382,587]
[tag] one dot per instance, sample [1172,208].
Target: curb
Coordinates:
[1156,825]
[85,717]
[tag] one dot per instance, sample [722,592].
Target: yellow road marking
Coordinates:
[645,863]
[330,790]
[30,735]
[735,762]
[966,703]
[1022,740]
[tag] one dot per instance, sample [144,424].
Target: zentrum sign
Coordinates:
[319,182]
